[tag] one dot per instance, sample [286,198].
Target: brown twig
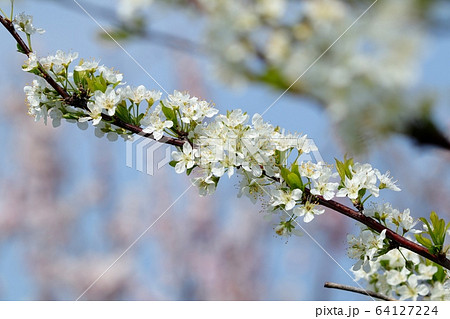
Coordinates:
[399,240]
[358,291]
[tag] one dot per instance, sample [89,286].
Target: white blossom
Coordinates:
[308,211]
[30,63]
[107,100]
[386,181]
[250,188]
[286,198]
[205,185]
[90,66]
[139,94]
[185,159]
[323,187]
[109,74]
[395,277]
[412,290]
[23,22]
[439,292]
[154,124]
[95,114]
[426,272]
[37,99]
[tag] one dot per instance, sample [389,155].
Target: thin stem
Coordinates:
[3,12]
[366,199]
[358,291]
[29,41]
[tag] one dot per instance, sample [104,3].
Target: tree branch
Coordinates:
[358,291]
[399,240]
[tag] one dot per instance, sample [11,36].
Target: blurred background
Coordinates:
[69,205]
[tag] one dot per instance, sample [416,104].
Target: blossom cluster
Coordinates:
[267,159]
[99,91]
[276,41]
[395,272]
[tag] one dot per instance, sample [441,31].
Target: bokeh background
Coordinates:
[69,205]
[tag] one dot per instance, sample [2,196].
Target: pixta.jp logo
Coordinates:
[147,155]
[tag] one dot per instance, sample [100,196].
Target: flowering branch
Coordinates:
[73,100]
[397,240]
[358,291]
[260,153]
[26,50]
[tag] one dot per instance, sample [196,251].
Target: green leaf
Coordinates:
[434,218]
[19,49]
[35,71]
[139,118]
[340,169]
[173,163]
[130,107]
[168,112]
[284,173]
[117,34]
[343,168]
[76,77]
[362,192]
[280,157]
[90,84]
[295,169]
[215,179]
[294,181]
[424,241]
[348,162]
[123,114]
[298,180]
[440,231]
[439,275]
[102,83]
[277,157]
[273,77]
[189,171]
[409,265]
